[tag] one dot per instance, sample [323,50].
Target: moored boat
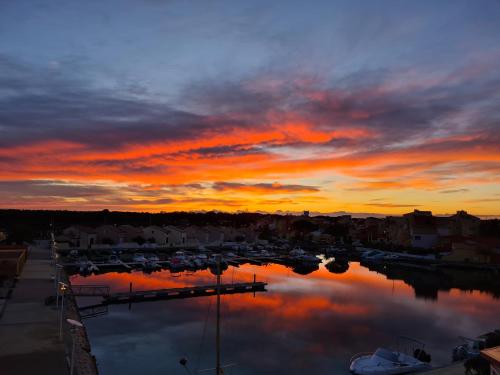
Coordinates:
[386,362]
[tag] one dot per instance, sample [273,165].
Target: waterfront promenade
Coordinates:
[29,335]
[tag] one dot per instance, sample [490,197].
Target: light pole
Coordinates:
[58,273]
[218,369]
[75,324]
[62,287]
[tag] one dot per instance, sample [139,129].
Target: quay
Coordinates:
[29,330]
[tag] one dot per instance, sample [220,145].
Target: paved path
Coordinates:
[29,336]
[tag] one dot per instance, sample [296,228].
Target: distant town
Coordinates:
[461,237]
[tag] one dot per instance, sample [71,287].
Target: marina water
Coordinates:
[303,324]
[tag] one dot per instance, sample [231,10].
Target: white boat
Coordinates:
[139,257]
[297,252]
[152,257]
[386,362]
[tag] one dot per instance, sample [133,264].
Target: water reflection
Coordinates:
[337,266]
[304,324]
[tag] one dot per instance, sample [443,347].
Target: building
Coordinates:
[156,234]
[12,259]
[422,229]
[168,236]
[492,355]
[112,234]
[464,224]
[466,251]
[80,236]
[396,231]
[178,237]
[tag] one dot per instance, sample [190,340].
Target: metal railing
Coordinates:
[90,290]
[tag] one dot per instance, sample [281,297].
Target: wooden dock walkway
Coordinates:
[186,292]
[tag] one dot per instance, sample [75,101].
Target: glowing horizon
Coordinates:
[182,107]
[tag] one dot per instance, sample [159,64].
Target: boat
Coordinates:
[139,257]
[152,257]
[86,267]
[199,261]
[469,349]
[180,261]
[114,259]
[301,256]
[150,265]
[297,252]
[386,362]
[393,362]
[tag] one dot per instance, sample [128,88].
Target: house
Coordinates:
[466,251]
[178,237]
[81,236]
[112,234]
[156,235]
[464,224]
[168,236]
[492,355]
[215,235]
[108,235]
[130,233]
[444,226]
[422,229]
[396,231]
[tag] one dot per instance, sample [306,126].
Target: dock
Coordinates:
[165,294]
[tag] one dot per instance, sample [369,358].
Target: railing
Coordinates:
[90,290]
[93,311]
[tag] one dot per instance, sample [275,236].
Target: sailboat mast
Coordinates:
[218,368]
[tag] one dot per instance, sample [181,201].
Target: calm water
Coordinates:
[308,324]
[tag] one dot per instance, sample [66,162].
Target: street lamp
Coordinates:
[58,274]
[62,288]
[75,324]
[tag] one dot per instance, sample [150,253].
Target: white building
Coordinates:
[169,236]
[80,236]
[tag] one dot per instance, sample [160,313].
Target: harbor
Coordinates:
[347,312]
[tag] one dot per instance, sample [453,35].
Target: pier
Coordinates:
[165,294]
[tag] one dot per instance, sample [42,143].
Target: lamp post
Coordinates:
[75,324]
[58,273]
[62,288]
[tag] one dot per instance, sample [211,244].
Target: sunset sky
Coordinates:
[157,105]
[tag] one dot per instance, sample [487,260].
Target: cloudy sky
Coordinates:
[359,106]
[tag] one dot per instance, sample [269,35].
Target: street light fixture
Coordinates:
[75,324]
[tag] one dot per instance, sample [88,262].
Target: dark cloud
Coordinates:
[453,191]
[52,188]
[264,187]
[41,104]
[391,205]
